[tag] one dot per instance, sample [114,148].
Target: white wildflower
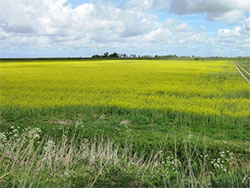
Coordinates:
[67,174]
[3,140]
[49,146]
[34,133]
[190,136]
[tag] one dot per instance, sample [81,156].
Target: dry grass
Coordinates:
[27,160]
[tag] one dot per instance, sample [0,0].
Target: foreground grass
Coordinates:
[147,129]
[29,159]
[105,147]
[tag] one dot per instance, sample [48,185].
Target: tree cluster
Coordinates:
[106,55]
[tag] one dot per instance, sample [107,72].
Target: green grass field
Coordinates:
[131,123]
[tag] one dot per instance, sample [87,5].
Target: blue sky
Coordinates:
[76,3]
[73,28]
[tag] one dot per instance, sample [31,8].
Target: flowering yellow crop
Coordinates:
[196,87]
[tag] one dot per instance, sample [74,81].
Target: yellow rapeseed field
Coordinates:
[197,87]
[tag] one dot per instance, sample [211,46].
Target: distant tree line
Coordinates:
[131,56]
[115,55]
[134,56]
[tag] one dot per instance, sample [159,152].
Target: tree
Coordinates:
[106,54]
[124,55]
[95,56]
[114,55]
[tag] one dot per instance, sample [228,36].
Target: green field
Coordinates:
[131,123]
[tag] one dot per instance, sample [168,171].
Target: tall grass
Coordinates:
[29,160]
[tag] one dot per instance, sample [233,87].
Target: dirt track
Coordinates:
[239,68]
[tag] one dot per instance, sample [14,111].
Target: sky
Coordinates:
[82,28]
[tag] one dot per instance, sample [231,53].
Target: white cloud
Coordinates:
[242,32]
[171,32]
[161,34]
[236,40]
[247,24]
[232,17]
[56,26]
[182,27]
[231,11]
[236,32]
[4,35]
[55,22]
